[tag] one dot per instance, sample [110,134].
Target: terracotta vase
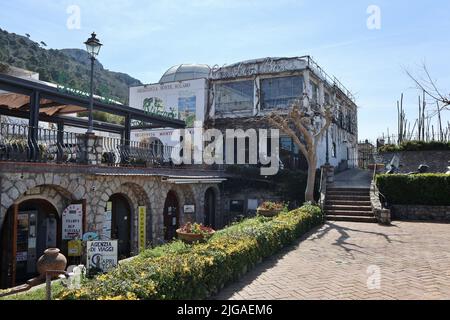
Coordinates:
[268,213]
[52,260]
[191,238]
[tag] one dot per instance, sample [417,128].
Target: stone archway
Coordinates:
[136,197]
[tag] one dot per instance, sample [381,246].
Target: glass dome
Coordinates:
[186,72]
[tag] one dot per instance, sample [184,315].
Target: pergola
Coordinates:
[40,102]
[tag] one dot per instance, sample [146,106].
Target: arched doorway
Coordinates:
[210,208]
[121,224]
[171,216]
[29,229]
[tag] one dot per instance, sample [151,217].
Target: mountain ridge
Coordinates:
[68,67]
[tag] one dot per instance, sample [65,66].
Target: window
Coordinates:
[315,93]
[327,98]
[334,151]
[237,206]
[235,96]
[280,93]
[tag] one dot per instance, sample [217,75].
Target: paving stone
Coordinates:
[413,260]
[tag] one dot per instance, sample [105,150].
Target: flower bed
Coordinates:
[181,271]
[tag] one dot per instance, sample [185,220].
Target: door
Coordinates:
[210,208]
[28,231]
[7,251]
[121,225]
[171,216]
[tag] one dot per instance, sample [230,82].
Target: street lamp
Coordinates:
[327,154]
[93,46]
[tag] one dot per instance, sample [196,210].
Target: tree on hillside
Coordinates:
[306,123]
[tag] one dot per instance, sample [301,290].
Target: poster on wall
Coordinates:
[102,255]
[107,223]
[142,228]
[72,222]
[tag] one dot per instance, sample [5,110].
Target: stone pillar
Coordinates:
[91,149]
[307,83]
[321,93]
[329,171]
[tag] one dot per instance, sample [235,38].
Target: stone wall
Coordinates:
[245,195]
[422,213]
[411,160]
[62,188]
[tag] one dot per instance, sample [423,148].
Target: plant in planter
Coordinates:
[270,209]
[194,232]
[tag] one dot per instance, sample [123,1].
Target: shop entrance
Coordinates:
[121,224]
[210,208]
[28,230]
[171,216]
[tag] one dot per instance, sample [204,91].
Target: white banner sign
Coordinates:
[72,222]
[102,255]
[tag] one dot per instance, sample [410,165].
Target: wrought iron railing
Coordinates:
[22,143]
[119,152]
[17,143]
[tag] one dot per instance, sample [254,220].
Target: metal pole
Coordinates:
[327,160]
[91,102]
[48,286]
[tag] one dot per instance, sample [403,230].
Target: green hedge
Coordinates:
[419,189]
[179,271]
[417,146]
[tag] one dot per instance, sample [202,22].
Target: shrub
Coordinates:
[416,146]
[419,189]
[180,271]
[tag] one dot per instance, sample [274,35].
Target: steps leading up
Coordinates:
[349,204]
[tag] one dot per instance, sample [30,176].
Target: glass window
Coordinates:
[235,96]
[280,93]
[315,92]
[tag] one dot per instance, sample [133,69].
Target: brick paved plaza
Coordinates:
[333,263]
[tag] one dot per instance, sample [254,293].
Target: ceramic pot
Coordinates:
[52,260]
[190,237]
[268,213]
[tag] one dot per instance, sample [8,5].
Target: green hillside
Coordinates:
[68,67]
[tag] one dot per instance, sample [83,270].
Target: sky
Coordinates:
[145,38]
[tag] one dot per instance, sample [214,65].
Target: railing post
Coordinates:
[34,126]
[91,149]
[60,141]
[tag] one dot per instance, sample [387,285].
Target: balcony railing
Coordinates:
[117,152]
[23,144]
[49,145]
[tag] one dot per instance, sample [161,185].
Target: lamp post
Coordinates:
[327,158]
[93,46]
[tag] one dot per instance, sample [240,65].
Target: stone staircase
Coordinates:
[349,204]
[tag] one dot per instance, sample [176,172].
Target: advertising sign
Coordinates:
[185,100]
[72,222]
[102,255]
[142,227]
[75,248]
[189,209]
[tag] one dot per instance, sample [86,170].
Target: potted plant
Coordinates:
[270,209]
[194,232]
